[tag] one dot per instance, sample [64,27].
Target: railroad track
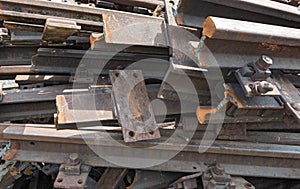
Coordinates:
[149,94]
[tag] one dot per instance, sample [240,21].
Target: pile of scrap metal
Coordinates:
[150,94]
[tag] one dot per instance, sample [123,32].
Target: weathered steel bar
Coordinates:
[228,29]
[238,158]
[46,79]
[263,7]
[77,108]
[236,54]
[27,111]
[194,12]
[30,103]
[34,11]
[16,55]
[41,19]
[33,95]
[68,61]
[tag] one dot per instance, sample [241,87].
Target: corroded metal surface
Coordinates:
[132,106]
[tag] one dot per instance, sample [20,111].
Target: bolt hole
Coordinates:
[131,133]
[151,132]
[194,167]
[80,181]
[135,75]
[117,74]
[248,185]
[32,143]
[60,180]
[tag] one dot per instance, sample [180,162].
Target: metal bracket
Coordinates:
[133,107]
[72,174]
[216,178]
[255,78]
[236,105]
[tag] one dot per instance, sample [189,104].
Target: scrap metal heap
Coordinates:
[193,93]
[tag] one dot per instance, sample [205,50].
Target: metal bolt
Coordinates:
[218,169]
[74,158]
[264,62]
[264,87]
[296,106]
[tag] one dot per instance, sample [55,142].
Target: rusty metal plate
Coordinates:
[59,29]
[84,108]
[76,181]
[133,106]
[135,30]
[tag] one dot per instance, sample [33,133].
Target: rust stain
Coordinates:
[229,94]
[201,113]
[10,154]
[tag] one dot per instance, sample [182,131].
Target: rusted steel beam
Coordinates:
[67,61]
[33,95]
[194,12]
[10,70]
[71,108]
[36,12]
[236,54]
[41,19]
[264,7]
[235,30]
[16,55]
[30,103]
[238,158]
